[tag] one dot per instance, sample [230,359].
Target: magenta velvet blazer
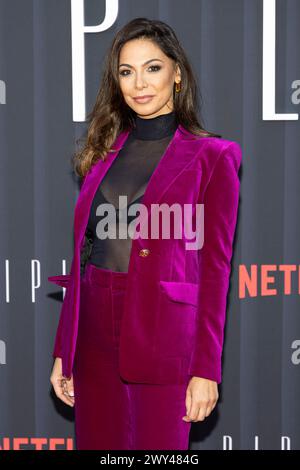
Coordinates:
[175,302]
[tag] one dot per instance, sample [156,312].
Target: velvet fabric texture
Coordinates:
[111,413]
[175,300]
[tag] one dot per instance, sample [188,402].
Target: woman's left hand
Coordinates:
[201,398]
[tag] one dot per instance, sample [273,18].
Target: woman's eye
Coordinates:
[156,67]
[123,72]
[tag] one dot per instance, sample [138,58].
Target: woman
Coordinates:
[147,360]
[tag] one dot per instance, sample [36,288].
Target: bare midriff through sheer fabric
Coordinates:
[128,177]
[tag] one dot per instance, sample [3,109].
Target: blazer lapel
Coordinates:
[89,188]
[179,153]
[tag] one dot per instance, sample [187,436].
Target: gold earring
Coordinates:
[177,87]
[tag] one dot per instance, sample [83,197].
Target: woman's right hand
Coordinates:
[64,389]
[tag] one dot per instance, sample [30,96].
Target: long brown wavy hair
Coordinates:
[111,114]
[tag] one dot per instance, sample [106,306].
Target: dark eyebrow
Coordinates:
[145,63]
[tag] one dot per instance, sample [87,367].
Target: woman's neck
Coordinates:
[155,128]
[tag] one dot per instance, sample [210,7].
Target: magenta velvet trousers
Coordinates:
[111,413]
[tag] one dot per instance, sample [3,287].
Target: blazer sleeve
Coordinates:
[61,328]
[220,200]
[58,343]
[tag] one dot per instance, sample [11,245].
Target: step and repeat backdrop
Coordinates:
[246,59]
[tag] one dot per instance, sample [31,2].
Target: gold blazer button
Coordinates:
[144,252]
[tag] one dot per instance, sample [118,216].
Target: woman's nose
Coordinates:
[140,81]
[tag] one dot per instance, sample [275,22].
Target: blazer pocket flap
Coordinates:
[186,292]
[61,280]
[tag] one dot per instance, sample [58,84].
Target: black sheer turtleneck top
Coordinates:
[128,176]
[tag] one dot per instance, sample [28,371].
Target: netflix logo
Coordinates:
[36,443]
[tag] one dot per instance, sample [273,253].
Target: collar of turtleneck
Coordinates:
[155,128]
